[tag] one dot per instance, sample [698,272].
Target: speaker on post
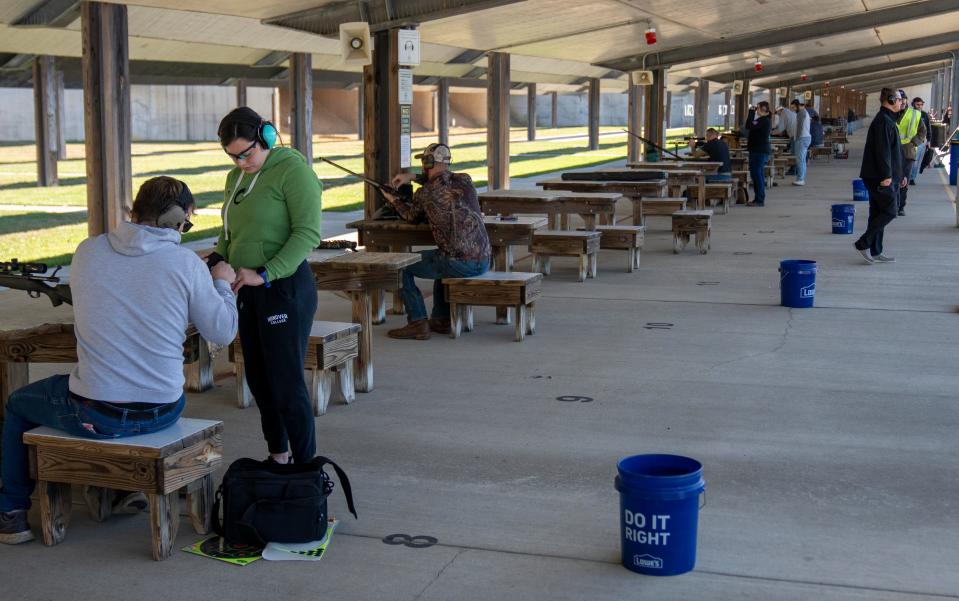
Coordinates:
[807,95]
[355,46]
[642,78]
[738,87]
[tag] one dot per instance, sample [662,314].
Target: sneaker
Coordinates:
[881,258]
[129,502]
[799,182]
[902,213]
[14,528]
[866,255]
[755,204]
[415,330]
[912,182]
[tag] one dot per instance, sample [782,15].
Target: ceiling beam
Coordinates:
[892,82]
[789,35]
[380,14]
[838,58]
[878,84]
[50,13]
[900,64]
[890,76]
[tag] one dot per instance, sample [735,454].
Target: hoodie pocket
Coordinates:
[247,254]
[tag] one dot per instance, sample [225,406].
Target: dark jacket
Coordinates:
[927,123]
[815,128]
[449,204]
[882,156]
[758,130]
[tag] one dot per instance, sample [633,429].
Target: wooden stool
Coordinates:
[184,455]
[663,207]
[687,223]
[512,289]
[741,179]
[721,192]
[821,151]
[623,237]
[559,243]
[329,356]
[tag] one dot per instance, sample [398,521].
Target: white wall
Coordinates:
[158,112]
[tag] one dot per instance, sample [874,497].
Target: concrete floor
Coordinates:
[828,435]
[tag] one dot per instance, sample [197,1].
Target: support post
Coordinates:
[554,116]
[301,103]
[594,113]
[653,118]
[742,105]
[241,93]
[669,109]
[381,142]
[701,108]
[531,112]
[61,118]
[45,119]
[106,103]
[727,102]
[277,114]
[954,98]
[497,121]
[443,110]
[634,120]
[360,109]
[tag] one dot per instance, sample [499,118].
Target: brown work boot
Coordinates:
[418,330]
[440,326]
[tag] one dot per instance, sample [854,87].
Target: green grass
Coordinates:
[51,237]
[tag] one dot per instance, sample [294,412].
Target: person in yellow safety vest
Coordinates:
[912,133]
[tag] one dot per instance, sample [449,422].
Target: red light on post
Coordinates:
[758,66]
[803,77]
[650,35]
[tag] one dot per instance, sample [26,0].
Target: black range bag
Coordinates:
[265,502]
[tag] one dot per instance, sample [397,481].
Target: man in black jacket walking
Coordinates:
[757,127]
[882,172]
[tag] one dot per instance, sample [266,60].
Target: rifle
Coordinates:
[29,277]
[374,183]
[653,144]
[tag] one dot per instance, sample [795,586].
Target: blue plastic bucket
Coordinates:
[797,283]
[659,512]
[842,218]
[859,191]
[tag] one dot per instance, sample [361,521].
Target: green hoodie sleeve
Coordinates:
[302,191]
[222,247]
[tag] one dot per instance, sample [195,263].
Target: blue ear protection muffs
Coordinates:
[266,135]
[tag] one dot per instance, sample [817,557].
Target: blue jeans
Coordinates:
[757,171]
[434,266]
[50,403]
[920,152]
[800,150]
[719,177]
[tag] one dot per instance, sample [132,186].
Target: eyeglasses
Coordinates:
[187,225]
[243,155]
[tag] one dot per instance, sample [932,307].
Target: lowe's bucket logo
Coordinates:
[838,223]
[647,561]
[808,291]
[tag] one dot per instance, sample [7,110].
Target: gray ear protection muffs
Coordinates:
[174,215]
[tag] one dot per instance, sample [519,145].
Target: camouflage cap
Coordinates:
[440,153]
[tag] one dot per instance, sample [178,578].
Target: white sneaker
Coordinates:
[866,255]
[884,259]
[799,182]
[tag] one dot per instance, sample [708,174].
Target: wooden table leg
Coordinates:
[99,502]
[244,398]
[56,506]
[397,308]
[378,306]
[589,222]
[501,262]
[12,377]
[637,210]
[199,374]
[199,499]
[363,315]
[553,221]
[164,523]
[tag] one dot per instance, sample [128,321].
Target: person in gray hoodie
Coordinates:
[135,290]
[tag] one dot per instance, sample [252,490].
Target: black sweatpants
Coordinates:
[274,326]
[904,192]
[883,205]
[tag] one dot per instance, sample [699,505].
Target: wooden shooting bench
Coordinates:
[707,167]
[634,191]
[57,343]
[557,204]
[623,237]
[329,359]
[160,464]
[560,243]
[688,223]
[362,274]
[664,207]
[677,180]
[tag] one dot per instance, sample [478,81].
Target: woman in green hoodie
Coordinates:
[271,222]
